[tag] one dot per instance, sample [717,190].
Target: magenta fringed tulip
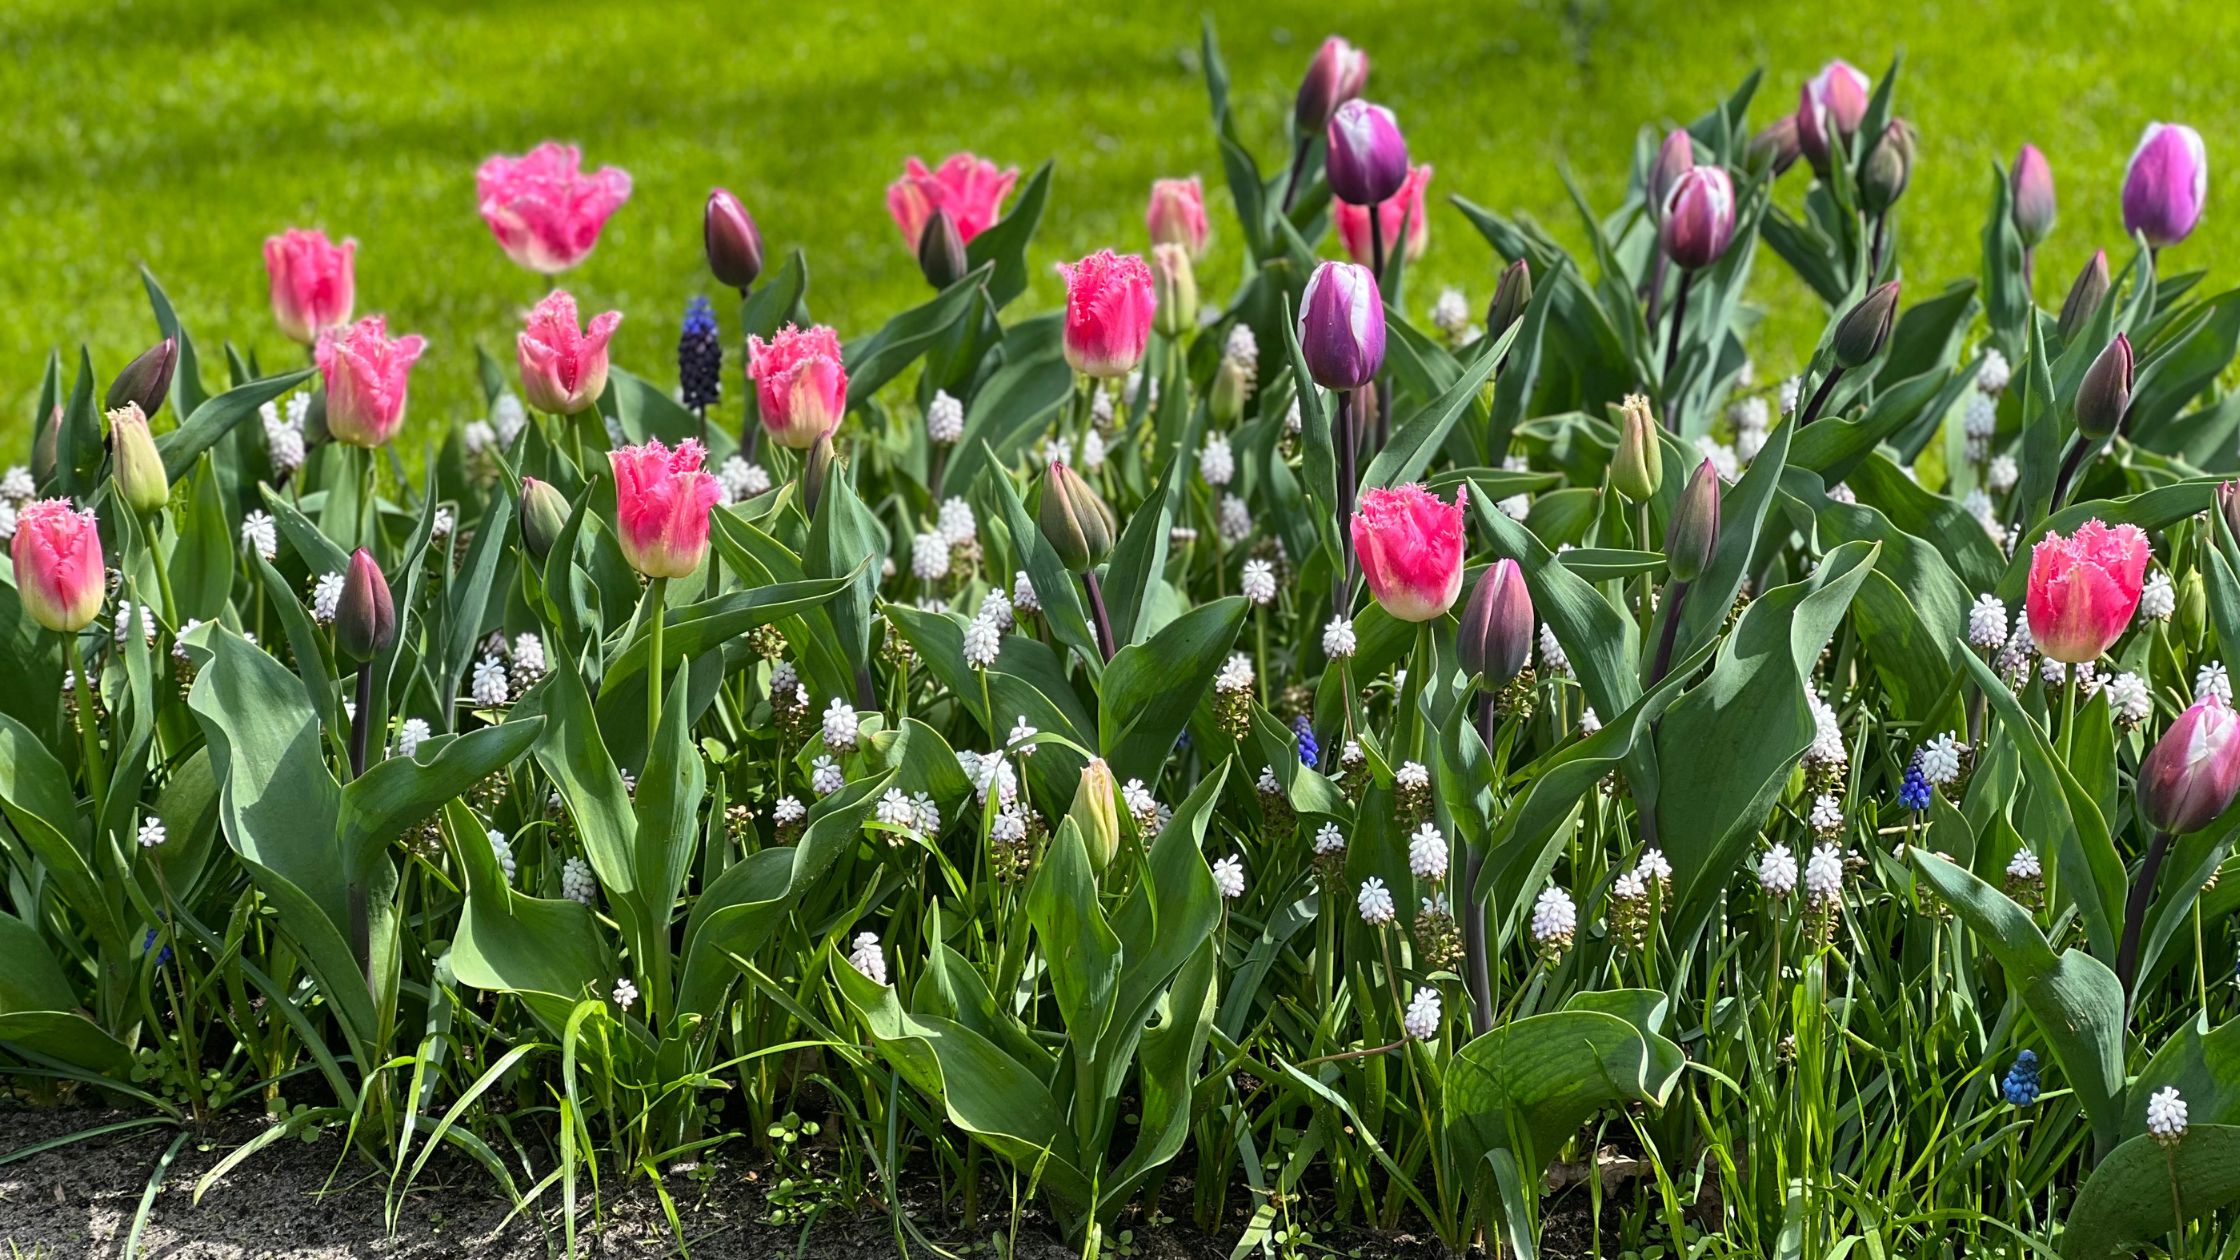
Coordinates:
[661,506]
[366,372]
[1341,326]
[314,282]
[1831,105]
[1410,545]
[800,384]
[2084,589]
[969,188]
[1368,158]
[2165,184]
[1109,305]
[2030,184]
[1495,640]
[1176,214]
[545,210]
[57,552]
[732,242]
[1697,222]
[1401,216]
[1336,75]
[2192,773]
[564,367]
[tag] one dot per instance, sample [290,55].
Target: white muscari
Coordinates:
[1987,622]
[1450,314]
[944,418]
[2024,867]
[1235,676]
[956,521]
[1777,871]
[2158,599]
[1022,594]
[1652,865]
[1217,464]
[1234,520]
[841,725]
[1421,1020]
[625,993]
[1338,640]
[1993,376]
[867,958]
[502,849]
[411,735]
[260,534]
[826,777]
[1374,901]
[929,557]
[983,642]
[1823,874]
[1427,854]
[2166,1116]
[151,833]
[1258,583]
[1555,917]
[925,814]
[1552,657]
[1021,738]
[576,881]
[1228,877]
[490,687]
[2212,679]
[1940,758]
[2129,698]
[789,809]
[2002,474]
[1328,839]
[1827,814]
[528,655]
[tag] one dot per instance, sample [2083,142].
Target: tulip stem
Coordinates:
[1473,912]
[1672,342]
[97,774]
[360,718]
[1656,290]
[1676,603]
[2135,912]
[1811,410]
[654,668]
[1298,168]
[2070,464]
[1876,243]
[1096,609]
[1342,422]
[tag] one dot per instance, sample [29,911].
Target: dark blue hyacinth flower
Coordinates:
[700,356]
[1914,793]
[2020,1084]
[1309,751]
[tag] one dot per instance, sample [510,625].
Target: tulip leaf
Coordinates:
[1528,1085]
[39,1007]
[1151,688]
[214,419]
[36,796]
[1004,243]
[1054,585]
[780,299]
[546,951]
[874,360]
[1404,458]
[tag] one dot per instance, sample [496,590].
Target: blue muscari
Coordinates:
[1914,793]
[2021,1082]
[1309,751]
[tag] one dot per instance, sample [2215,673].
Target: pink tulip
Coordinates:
[1177,214]
[59,577]
[1833,104]
[1697,220]
[314,281]
[970,188]
[545,211]
[1410,546]
[365,372]
[661,506]
[563,368]
[1109,305]
[799,380]
[2084,588]
[2192,773]
[2165,184]
[1401,208]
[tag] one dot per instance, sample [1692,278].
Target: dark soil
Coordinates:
[312,1200]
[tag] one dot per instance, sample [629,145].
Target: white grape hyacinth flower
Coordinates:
[1555,918]
[1338,640]
[2166,1116]
[983,642]
[260,534]
[841,725]
[1940,758]
[1987,623]
[1777,871]
[1427,854]
[2212,679]
[2129,697]
[1228,877]
[1421,1021]
[490,687]
[411,735]
[1258,583]
[944,418]
[1823,875]
[326,598]
[152,833]
[826,777]
[1374,901]
[867,958]
[576,881]
[625,993]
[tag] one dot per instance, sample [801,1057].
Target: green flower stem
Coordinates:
[97,773]
[655,668]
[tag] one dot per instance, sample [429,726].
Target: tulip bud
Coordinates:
[2085,296]
[734,245]
[1510,296]
[2192,773]
[1232,384]
[1675,157]
[1495,639]
[2165,184]
[365,621]
[146,380]
[1693,534]
[1698,220]
[2193,610]
[45,450]
[1865,328]
[1096,811]
[816,471]
[1638,468]
[941,251]
[1882,179]
[2030,186]
[1775,148]
[1174,290]
[544,513]
[1336,75]
[1341,326]
[2104,395]
[135,465]
[1368,159]
[1076,522]
[2228,505]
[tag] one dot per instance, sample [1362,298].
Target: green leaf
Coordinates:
[1078,946]
[1414,443]
[1004,244]
[1151,688]
[214,419]
[874,360]
[2128,1200]
[1527,1086]
[397,793]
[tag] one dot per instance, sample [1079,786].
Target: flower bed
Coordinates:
[1243,758]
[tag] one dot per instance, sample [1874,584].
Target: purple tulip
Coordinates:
[1368,159]
[2165,184]
[1832,104]
[1698,219]
[1675,157]
[1336,75]
[2031,184]
[1341,326]
[2192,773]
[1495,639]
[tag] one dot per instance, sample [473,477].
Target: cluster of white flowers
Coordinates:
[1552,658]
[489,686]
[528,655]
[2024,867]
[826,777]
[576,881]
[1023,597]
[1427,854]
[1258,583]
[1978,504]
[413,733]
[985,770]
[1827,732]
[326,597]
[2166,1116]
[1228,877]
[1827,814]
[260,534]
[1234,520]
[983,641]
[1236,675]
[1987,623]
[1979,419]
[2016,658]
[1823,875]
[509,417]
[1589,721]
[1216,462]
[929,557]
[1777,871]
[1267,784]
[152,834]
[944,418]
[1450,314]
[1328,840]
[1421,1020]
[1940,758]
[841,726]
[2002,474]
[1021,738]
[1375,902]
[894,809]
[867,958]
[1243,349]
[741,480]
[1722,457]
[1555,918]
[625,993]
[2129,698]
[2158,599]
[1790,390]
[1653,866]
[788,810]
[956,522]
[283,432]
[1751,419]
[125,620]
[502,849]
[1993,376]
[2212,679]
[1338,640]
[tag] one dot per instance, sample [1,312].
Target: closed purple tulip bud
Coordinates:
[2030,184]
[2228,505]
[2104,394]
[365,620]
[2191,774]
[1368,159]
[1692,536]
[1675,157]
[1776,146]
[734,246]
[2085,295]
[941,257]
[2165,184]
[146,380]
[1865,328]
[1336,75]
[1888,168]
[1698,219]
[1497,624]
[1341,326]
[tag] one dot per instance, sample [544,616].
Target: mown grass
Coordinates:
[179,135]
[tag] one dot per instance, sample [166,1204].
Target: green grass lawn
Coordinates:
[179,135]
